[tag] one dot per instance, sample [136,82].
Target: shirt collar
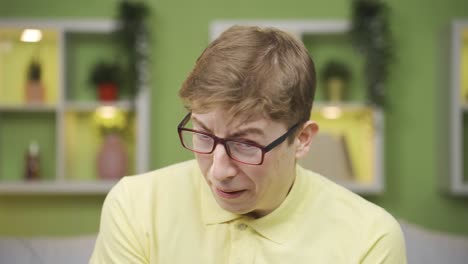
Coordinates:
[278,226]
[283,223]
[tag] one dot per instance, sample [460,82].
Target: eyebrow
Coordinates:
[200,123]
[240,133]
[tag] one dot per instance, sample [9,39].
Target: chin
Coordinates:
[233,209]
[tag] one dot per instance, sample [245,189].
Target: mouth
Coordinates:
[229,194]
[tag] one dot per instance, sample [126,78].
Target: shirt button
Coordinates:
[241,226]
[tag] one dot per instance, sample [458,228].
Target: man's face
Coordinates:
[241,188]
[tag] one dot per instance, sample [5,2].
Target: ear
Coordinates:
[304,138]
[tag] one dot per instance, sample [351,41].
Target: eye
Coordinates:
[243,146]
[202,137]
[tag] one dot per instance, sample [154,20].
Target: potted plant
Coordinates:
[34,89]
[371,35]
[105,76]
[132,35]
[335,79]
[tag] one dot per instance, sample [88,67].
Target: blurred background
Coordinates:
[94,84]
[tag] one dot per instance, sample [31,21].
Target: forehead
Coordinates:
[220,121]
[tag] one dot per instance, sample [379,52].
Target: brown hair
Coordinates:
[252,72]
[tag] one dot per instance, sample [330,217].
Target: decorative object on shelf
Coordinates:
[105,76]
[32,168]
[133,36]
[112,158]
[34,89]
[371,35]
[335,80]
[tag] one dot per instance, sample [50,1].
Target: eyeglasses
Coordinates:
[241,151]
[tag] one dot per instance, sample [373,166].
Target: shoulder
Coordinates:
[341,199]
[137,190]
[363,222]
[147,181]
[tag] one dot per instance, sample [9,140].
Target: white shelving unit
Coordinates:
[376,185]
[57,187]
[465,107]
[457,183]
[28,108]
[300,28]
[61,184]
[91,106]
[296,27]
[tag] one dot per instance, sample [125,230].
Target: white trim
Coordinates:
[60,118]
[85,26]
[343,105]
[457,185]
[28,108]
[92,106]
[461,189]
[56,187]
[362,189]
[464,107]
[143,130]
[296,27]
[379,148]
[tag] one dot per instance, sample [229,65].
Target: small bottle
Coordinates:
[32,162]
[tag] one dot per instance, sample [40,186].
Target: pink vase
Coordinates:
[112,159]
[34,92]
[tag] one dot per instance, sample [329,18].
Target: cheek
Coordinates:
[260,177]
[203,162]
[279,164]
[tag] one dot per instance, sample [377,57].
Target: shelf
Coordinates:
[464,107]
[17,131]
[28,108]
[65,123]
[79,25]
[456,182]
[349,146]
[83,139]
[297,27]
[91,106]
[364,189]
[54,188]
[343,105]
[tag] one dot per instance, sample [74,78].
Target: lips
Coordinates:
[229,194]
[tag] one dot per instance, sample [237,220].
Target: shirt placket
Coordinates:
[242,243]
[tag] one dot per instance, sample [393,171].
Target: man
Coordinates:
[244,199]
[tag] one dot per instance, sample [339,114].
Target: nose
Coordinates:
[222,166]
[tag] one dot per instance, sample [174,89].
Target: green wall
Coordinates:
[415,149]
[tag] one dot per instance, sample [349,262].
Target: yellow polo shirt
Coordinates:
[170,216]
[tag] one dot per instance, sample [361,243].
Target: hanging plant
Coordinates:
[371,35]
[132,34]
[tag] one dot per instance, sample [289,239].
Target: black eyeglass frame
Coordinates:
[218,140]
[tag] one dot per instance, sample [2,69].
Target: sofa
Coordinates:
[423,247]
